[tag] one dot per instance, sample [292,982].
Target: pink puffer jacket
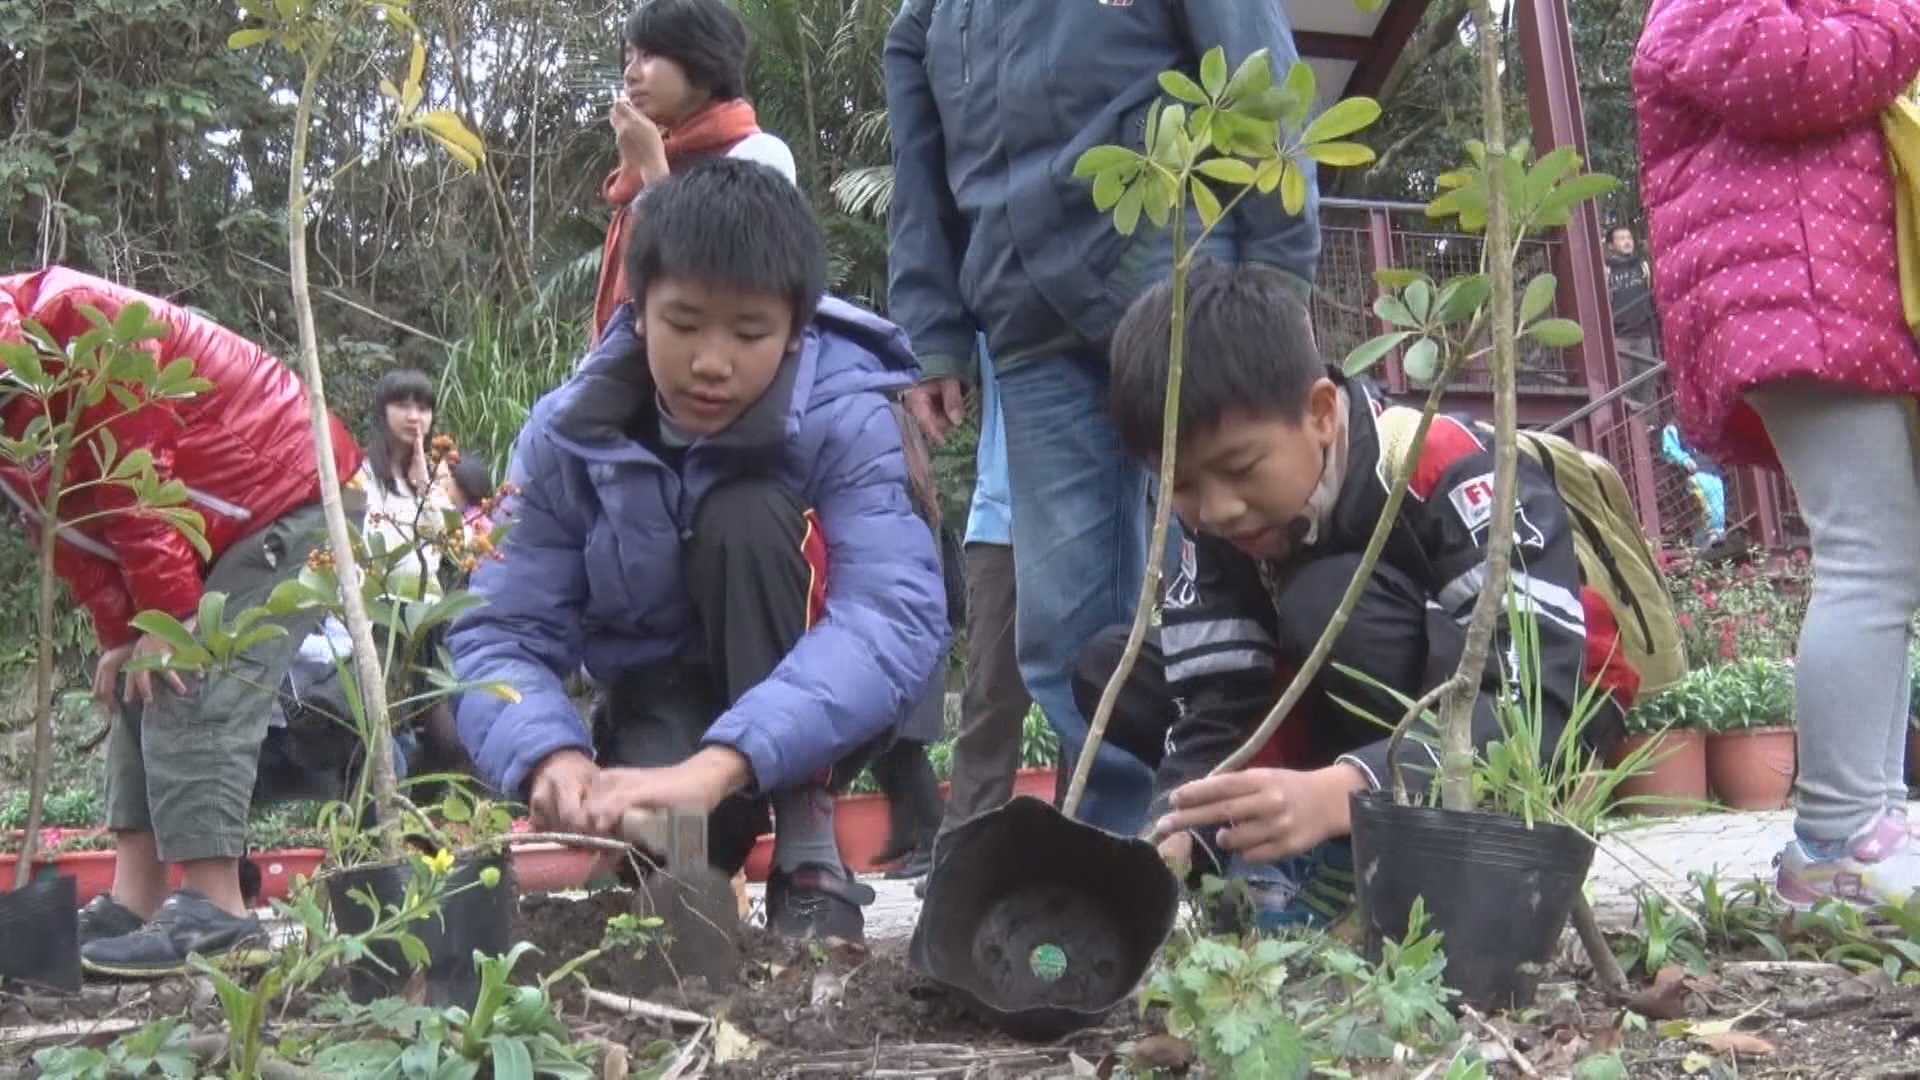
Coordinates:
[1765,176]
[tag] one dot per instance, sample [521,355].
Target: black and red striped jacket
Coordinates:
[1217,621]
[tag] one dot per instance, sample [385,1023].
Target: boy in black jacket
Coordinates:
[1279,480]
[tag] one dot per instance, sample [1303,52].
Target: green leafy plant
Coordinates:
[1234,133]
[1732,611]
[1748,919]
[1282,1007]
[160,1047]
[1522,774]
[73,391]
[1751,694]
[311,31]
[511,1034]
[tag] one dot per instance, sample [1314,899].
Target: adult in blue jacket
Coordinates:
[712,515]
[990,104]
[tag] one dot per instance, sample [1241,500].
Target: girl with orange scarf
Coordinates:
[682,102]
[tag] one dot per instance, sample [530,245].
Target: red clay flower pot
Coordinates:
[1752,770]
[1674,781]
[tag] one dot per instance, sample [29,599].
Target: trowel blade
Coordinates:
[700,920]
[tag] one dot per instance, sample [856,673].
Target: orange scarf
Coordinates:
[711,132]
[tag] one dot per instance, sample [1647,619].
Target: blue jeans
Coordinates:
[1079,552]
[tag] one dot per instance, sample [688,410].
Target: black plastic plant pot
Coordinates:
[472,917]
[40,935]
[1041,923]
[1498,891]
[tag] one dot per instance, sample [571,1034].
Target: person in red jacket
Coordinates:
[1765,173]
[182,756]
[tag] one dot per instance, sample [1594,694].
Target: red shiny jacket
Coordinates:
[243,449]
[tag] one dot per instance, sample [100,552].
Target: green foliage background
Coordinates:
[137,146]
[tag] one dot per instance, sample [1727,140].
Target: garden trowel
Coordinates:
[695,902]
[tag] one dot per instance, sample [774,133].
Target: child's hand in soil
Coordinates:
[698,783]
[1269,813]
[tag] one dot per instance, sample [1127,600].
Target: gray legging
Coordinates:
[1852,462]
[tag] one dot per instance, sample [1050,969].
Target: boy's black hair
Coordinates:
[1615,230]
[731,224]
[1250,352]
[706,37]
[471,476]
[402,384]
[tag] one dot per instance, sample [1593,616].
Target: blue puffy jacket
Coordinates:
[990,103]
[591,568]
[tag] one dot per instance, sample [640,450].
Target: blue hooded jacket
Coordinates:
[591,568]
[991,102]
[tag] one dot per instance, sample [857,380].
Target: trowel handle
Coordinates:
[678,836]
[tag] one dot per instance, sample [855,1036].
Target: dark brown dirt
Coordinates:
[795,1002]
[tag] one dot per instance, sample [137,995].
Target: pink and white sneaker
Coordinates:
[1880,864]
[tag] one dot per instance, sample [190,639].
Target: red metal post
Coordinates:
[1553,102]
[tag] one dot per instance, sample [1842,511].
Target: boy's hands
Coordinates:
[1177,852]
[698,783]
[1269,813]
[561,783]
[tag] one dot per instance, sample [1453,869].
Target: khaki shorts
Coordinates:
[183,768]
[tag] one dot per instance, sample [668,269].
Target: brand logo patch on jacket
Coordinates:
[1473,501]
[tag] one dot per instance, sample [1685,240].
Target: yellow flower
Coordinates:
[440,862]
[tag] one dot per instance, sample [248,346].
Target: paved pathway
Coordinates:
[1735,847]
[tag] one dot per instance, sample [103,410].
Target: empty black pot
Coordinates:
[1041,923]
[472,917]
[40,935]
[1498,891]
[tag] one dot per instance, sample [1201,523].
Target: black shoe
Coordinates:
[104,917]
[916,864]
[819,903]
[186,925]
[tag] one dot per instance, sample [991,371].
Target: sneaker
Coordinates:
[104,917]
[916,864]
[817,902]
[187,924]
[1879,865]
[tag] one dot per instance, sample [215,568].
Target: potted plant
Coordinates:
[1226,135]
[61,397]
[1668,727]
[363,586]
[1479,832]
[1750,738]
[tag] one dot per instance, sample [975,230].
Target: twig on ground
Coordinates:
[1513,1052]
[1785,969]
[65,1030]
[634,1007]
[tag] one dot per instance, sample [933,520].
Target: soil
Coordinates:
[817,1010]
[795,1003]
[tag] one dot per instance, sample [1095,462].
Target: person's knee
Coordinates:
[749,511]
[1308,598]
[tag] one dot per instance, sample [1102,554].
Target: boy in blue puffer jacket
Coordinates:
[712,515]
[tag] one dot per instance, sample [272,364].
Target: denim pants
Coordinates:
[1079,552]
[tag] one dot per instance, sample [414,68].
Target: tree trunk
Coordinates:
[366,659]
[1456,717]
